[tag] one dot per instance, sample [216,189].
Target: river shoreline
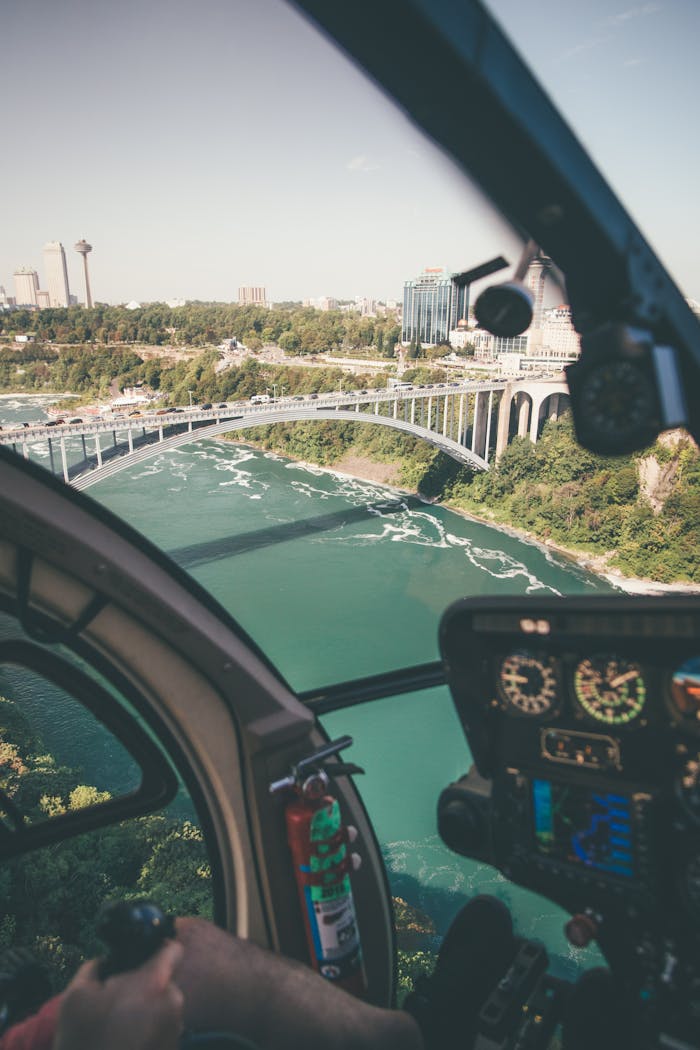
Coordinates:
[386,474]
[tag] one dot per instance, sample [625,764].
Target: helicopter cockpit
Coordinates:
[563,730]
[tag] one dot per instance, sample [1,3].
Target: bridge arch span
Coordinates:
[525,405]
[114,466]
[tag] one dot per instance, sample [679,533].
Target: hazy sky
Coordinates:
[203,146]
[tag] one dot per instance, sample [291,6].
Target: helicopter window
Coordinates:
[90,808]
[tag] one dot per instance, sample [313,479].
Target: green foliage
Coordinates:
[49,899]
[297,329]
[559,491]
[411,965]
[79,369]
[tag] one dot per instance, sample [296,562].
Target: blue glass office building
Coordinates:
[432,305]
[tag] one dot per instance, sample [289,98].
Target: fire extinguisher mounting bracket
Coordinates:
[316,763]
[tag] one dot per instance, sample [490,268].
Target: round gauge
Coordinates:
[685,690]
[616,406]
[610,689]
[528,683]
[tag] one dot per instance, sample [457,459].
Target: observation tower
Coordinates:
[83,247]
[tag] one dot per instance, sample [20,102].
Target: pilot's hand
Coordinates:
[137,1010]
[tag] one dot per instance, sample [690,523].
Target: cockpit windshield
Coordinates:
[308,359]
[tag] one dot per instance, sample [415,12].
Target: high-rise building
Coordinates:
[26,286]
[536,276]
[558,332]
[56,274]
[249,296]
[432,305]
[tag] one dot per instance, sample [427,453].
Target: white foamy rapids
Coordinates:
[424,530]
[154,466]
[252,487]
[304,488]
[359,493]
[309,468]
[40,449]
[222,454]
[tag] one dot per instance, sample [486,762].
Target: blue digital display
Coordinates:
[592,829]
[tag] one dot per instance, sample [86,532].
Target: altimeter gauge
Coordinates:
[528,683]
[609,689]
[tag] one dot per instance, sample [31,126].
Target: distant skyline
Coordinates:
[204,148]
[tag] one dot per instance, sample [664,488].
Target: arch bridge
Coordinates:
[472,421]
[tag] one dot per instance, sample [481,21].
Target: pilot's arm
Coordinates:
[139,1010]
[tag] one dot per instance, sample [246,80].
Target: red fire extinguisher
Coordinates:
[319,843]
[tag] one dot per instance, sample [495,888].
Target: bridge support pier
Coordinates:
[64,462]
[130,438]
[160,432]
[114,438]
[82,438]
[53,467]
[479,425]
[523,413]
[503,421]
[488,426]
[98,450]
[460,421]
[535,419]
[444,417]
[25,449]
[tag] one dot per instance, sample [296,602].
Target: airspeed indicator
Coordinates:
[610,689]
[528,683]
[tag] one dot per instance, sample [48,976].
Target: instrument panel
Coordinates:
[583,720]
[602,688]
[606,688]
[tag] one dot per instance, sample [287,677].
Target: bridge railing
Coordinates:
[108,424]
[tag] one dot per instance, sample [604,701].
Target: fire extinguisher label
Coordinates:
[329,899]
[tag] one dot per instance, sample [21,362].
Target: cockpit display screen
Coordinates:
[584,827]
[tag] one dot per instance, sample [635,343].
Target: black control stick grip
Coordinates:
[133,931]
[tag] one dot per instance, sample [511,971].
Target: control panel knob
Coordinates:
[464,816]
[581,929]
[461,826]
[133,931]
